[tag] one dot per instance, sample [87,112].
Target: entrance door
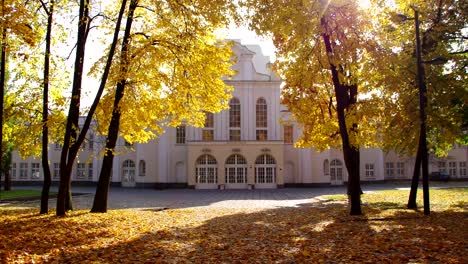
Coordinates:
[265,172]
[236,172]
[128,173]
[336,172]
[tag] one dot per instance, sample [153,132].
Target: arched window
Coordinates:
[326,167]
[208,129]
[128,171]
[234,120]
[206,169]
[261,122]
[336,172]
[142,168]
[236,169]
[265,169]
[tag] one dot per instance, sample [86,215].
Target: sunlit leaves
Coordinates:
[315,232]
[174,71]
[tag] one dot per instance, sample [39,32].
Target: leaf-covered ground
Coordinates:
[313,233]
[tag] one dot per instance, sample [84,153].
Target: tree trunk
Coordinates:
[415,180]
[100,198]
[45,116]
[2,85]
[70,145]
[346,96]
[7,185]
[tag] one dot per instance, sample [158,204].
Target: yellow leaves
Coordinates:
[319,232]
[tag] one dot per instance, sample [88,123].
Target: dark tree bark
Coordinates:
[415,180]
[2,85]
[100,198]
[346,97]
[45,114]
[70,144]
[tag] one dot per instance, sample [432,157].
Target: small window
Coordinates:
[23,170]
[389,170]
[208,129]
[13,170]
[35,172]
[400,170]
[90,171]
[180,135]
[369,170]
[142,168]
[462,167]
[442,166]
[91,142]
[288,134]
[326,167]
[234,135]
[80,171]
[56,174]
[261,134]
[453,168]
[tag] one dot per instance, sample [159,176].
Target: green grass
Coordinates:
[21,194]
[334,197]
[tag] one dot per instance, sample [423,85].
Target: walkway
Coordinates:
[186,198]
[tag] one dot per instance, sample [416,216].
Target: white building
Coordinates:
[243,147]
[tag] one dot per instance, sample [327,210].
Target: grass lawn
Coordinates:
[20,194]
[318,232]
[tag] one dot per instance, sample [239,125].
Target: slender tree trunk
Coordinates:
[422,113]
[415,180]
[100,198]
[2,85]
[70,145]
[45,116]
[346,96]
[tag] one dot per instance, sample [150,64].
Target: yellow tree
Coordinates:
[169,70]
[326,51]
[443,49]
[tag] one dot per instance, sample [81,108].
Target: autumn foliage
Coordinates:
[315,232]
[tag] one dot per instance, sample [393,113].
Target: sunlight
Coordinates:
[364,4]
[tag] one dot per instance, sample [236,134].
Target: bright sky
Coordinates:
[239,33]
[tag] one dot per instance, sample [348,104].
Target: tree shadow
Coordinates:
[304,234]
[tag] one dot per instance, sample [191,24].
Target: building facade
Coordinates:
[241,148]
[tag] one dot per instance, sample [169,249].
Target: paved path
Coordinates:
[187,198]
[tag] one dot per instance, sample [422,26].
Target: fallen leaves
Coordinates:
[319,232]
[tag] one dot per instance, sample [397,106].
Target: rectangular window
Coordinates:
[462,166]
[369,170]
[58,146]
[288,134]
[35,170]
[400,170]
[90,171]
[207,131]
[91,142]
[56,170]
[453,168]
[180,135]
[80,171]
[13,170]
[262,134]
[234,135]
[442,166]
[207,135]
[389,172]
[23,170]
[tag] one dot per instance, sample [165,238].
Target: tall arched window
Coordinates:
[336,172]
[236,169]
[142,168]
[208,129]
[261,115]
[206,169]
[326,167]
[128,171]
[234,120]
[265,169]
